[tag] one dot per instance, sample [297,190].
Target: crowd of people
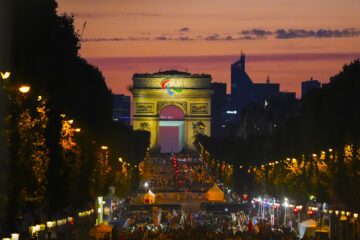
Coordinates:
[189,173]
[189,176]
[201,225]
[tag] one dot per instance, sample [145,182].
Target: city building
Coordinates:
[218,107]
[121,108]
[289,96]
[265,90]
[243,90]
[308,85]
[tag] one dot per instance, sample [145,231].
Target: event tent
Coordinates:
[310,223]
[310,228]
[215,194]
[149,197]
[100,231]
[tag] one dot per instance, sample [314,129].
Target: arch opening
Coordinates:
[171,130]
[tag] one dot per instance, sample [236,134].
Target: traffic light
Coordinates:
[244,197]
[295,210]
[310,212]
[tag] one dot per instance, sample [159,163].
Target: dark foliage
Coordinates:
[326,118]
[44,54]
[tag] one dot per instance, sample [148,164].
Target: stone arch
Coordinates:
[163,104]
[191,93]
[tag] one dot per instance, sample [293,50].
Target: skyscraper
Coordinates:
[243,91]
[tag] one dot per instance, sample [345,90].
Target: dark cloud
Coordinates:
[184,38]
[321,33]
[257,33]
[185,29]
[252,34]
[162,38]
[114,14]
[131,38]
[247,37]
[299,33]
[101,39]
[213,37]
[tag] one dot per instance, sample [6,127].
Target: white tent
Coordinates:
[310,223]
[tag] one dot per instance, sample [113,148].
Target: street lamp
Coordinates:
[24,89]
[15,236]
[104,147]
[78,130]
[355,221]
[50,226]
[5,75]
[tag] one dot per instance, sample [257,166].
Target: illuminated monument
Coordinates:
[191,93]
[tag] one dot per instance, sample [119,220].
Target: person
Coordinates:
[251,227]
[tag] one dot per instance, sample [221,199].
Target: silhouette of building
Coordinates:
[218,107]
[308,85]
[243,90]
[289,96]
[267,89]
[121,108]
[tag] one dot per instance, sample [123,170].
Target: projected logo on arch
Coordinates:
[166,86]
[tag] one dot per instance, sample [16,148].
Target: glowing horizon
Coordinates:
[125,37]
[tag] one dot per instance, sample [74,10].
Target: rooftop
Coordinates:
[172,72]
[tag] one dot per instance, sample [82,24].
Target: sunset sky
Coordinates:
[289,40]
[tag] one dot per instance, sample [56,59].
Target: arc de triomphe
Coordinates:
[189,92]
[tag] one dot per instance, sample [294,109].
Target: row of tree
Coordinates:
[61,147]
[326,118]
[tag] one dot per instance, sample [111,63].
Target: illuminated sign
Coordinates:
[166,86]
[231,112]
[199,108]
[144,107]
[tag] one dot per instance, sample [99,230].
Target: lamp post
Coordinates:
[49,226]
[286,204]
[355,222]
[330,224]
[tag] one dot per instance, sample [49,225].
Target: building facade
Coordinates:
[121,108]
[308,85]
[218,108]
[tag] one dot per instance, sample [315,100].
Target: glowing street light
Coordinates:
[104,147]
[146,185]
[5,75]
[78,130]
[15,236]
[120,159]
[71,121]
[24,89]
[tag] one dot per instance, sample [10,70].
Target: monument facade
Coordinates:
[189,92]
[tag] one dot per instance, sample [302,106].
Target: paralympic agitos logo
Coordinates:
[165,84]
